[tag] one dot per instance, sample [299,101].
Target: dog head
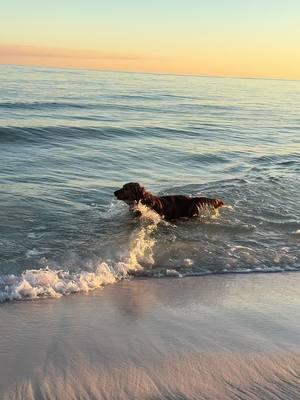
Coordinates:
[130,193]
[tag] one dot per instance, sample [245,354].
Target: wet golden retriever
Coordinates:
[169,207]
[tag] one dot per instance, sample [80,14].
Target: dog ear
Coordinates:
[143,192]
[136,188]
[140,191]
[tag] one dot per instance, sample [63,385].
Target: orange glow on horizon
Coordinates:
[252,62]
[213,38]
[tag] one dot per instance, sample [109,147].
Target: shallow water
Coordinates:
[69,138]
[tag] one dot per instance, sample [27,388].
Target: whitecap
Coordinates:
[53,282]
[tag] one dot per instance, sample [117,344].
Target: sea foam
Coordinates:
[49,282]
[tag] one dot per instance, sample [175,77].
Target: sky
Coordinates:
[242,38]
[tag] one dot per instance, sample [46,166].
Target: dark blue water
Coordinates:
[69,138]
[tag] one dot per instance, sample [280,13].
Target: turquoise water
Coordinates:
[69,138]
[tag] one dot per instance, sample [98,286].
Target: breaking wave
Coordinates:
[155,253]
[47,282]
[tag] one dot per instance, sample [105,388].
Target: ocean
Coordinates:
[70,138]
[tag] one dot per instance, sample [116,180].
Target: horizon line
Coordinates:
[152,73]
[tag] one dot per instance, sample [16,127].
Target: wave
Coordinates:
[53,283]
[47,282]
[64,105]
[39,105]
[28,133]
[40,135]
[143,257]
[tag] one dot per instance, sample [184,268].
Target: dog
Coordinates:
[168,207]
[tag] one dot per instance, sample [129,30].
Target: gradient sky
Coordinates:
[251,38]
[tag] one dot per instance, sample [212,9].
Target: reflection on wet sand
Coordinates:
[233,337]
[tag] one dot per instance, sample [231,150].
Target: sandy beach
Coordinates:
[214,337]
[149,200]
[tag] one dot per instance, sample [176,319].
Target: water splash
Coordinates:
[142,241]
[48,282]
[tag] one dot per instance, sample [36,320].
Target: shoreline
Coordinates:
[211,337]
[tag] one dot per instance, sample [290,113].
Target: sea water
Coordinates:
[69,138]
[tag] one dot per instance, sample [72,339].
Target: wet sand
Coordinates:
[214,337]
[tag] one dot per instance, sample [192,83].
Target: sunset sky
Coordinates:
[257,38]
